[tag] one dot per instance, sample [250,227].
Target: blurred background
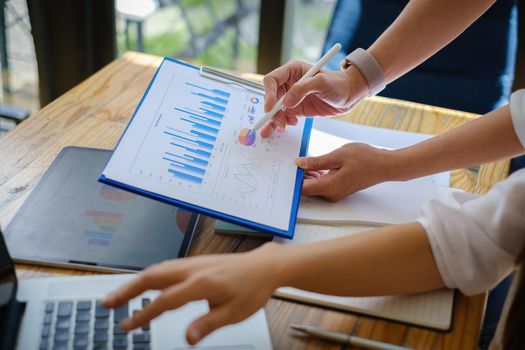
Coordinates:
[48,47]
[220,33]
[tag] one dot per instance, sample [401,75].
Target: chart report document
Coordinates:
[191,143]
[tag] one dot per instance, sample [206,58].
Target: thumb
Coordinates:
[325,162]
[301,89]
[208,323]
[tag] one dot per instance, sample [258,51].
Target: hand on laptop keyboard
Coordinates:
[235,286]
[87,324]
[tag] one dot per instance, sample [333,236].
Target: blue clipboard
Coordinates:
[223,77]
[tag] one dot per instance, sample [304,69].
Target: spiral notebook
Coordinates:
[432,309]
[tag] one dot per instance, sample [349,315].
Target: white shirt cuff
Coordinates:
[517,110]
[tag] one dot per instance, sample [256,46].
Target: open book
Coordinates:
[432,309]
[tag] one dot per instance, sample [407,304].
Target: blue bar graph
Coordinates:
[205,120]
[215,91]
[189,158]
[193,150]
[201,126]
[187,167]
[214,106]
[200,117]
[194,135]
[197,160]
[203,135]
[216,99]
[187,177]
[212,113]
[195,142]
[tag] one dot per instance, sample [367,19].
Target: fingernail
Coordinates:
[195,334]
[285,101]
[125,325]
[108,300]
[300,162]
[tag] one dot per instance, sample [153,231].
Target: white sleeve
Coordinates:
[475,244]
[517,110]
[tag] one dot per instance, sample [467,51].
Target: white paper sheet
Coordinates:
[188,142]
[329,134]
[385,203]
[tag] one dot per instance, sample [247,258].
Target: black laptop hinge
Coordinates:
[13,313]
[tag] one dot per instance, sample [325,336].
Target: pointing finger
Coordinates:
[155,277]
[171,299]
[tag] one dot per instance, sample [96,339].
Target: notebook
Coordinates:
[432,309]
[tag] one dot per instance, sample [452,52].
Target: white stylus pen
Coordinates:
[310,73]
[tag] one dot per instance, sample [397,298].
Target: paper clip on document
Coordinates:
[231,79]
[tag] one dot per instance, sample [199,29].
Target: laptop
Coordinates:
[72,220]
[66,313]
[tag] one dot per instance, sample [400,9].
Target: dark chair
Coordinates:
[474,73]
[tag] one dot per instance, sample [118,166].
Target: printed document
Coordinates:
[191,141]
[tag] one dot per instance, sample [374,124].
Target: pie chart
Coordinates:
[247,137]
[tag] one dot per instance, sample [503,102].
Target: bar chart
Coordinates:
[193,139]
[105,224]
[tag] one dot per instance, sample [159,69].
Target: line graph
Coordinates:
[245,175]
[253,178]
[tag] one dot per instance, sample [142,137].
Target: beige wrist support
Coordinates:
[369,68]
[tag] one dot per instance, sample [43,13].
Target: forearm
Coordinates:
[422,29]
[390,260]
[489,138]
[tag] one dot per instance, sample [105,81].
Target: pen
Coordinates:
[310,73]
[346,338]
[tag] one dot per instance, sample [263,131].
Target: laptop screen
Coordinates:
[71,218]
[7,276]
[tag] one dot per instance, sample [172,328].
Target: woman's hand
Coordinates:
[325,94]
[348,169]
[235,286]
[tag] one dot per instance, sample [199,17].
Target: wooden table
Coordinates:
[95,113]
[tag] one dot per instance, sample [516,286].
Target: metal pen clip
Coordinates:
[231,79]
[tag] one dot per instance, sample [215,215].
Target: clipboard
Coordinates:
[218,82]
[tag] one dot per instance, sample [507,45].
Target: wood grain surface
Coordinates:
[95,113]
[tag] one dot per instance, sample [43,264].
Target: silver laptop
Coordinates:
[65,313]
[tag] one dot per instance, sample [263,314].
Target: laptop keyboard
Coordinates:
[86,324]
